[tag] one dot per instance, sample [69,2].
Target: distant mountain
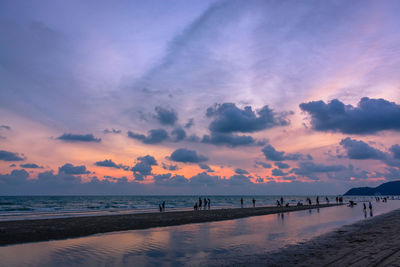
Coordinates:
[390,188]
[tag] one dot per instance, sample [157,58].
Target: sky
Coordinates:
[198,97]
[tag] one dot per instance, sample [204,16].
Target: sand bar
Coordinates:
[14,232]
[372,242]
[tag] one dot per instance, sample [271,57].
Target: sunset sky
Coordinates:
[198,97]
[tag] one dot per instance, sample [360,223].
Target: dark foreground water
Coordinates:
[39,207]
[191,244]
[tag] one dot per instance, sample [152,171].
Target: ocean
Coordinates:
[40,207]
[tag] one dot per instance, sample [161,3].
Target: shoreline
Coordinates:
[370,242]
[23,231]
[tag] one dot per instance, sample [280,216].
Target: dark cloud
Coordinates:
[169,167]
[189,123]
[263,164]
[109,163]
[5,127]
[368,117]
[178,134]
[73,170]
[282,165]
[349,174]
[154,136]
[193,138]
[30,166]
[241,171]
[229,119]
[78,138]
[204,179]
[187,156]
[238,180]
[166,116]
[205,167]
[15,177]
[357,149]
[143,167]
[168,179]
[278,172]
[272,154]
[310,169]
[9,156]
[112,131]
[13,165]
[395,149]
[231,140]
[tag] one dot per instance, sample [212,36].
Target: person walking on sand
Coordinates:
[317,200]
[241,202]
[254,203]
[209,203]
[327,200]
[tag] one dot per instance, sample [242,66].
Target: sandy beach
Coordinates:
[14,232]
[372,242]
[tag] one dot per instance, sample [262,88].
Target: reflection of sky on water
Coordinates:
[188,244]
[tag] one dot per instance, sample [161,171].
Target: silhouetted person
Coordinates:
[317,200]
[200,203]
[337,200]
[282,201]
[370,206]
[209,203]
[364,207]
[287,204]
[309,201]
[254,203]
[159,206]
[205,203]
[195,207]
[278,204]
[241,202]
[163,205]
[327,200]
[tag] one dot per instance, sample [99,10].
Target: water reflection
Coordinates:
[188,244]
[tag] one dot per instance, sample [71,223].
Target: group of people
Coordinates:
[365,209]
[162,206]
[205,204]
[242,202]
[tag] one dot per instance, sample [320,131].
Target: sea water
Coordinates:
[39,207]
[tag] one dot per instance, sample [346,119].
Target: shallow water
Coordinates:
[190,244]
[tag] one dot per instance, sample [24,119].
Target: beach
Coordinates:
[372,242]
[14,232]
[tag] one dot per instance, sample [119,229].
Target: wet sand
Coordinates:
[14,232]
[372,242]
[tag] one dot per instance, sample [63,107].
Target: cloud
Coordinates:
[229,119]
[282,165]
[368,117]
[166,116]
[112,131]
[170,167]
[15,177]
[30,166]
[9,156]
[238,180]
[189,123]
[263,164]
[154,136]
[357,149]
[109,163]
[78,138]
[168,179]
[204,166]
[272,154]
[278,172]
[395,149]
[231,140]
[187,156]
[204,179]
[310,169]
[68,168]
[241,171]
[143,167]
[178,134]
[4,127]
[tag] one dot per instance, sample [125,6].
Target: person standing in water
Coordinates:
[200,203]
[254,203]
[241,202]
[282,201]
[205,203]
[209,203]
[163,205]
